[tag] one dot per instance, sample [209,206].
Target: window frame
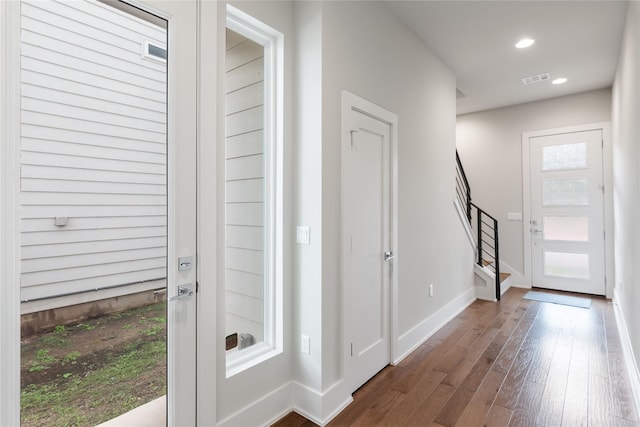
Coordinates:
[273,43]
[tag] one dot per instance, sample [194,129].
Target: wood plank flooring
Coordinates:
[512,363]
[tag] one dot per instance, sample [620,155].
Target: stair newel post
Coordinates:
[479,230]
[497,259]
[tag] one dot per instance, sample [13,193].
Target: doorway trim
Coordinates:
[351,102]
[9,215]
[607,171]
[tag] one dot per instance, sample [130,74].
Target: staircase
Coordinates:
[489,282]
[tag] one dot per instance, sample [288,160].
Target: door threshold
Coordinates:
[152,414]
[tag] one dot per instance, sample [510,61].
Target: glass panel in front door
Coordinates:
[93,211]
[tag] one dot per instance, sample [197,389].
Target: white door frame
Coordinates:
[9,212]
[211,38]
[607,171]
[351,102]
[182,406]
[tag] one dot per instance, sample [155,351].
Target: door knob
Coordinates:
[388,256]
[184,292]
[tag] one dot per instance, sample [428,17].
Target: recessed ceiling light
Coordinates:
[559,81]
[525,43]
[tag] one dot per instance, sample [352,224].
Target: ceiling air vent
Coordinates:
[536,79]
[460,94]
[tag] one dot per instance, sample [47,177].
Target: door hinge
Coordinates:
[197,287]
[351,349]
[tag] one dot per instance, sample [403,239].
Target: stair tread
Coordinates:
[504,276]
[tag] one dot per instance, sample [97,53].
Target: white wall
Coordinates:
[360,47]
[368,52]
[626,170]
[490,147]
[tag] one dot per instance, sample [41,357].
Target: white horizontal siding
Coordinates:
[245,283]
[245,191]
[71,186]
[245,145]
[91,283]
[93,150]
[92,139]
[40,224]
[38,238]
[249,167]
[244,187]
[91,247]
[89,271]
[90,175]
[44,211]
[90,163]
[245,98]
[246,75]
[84,260]
[245,214]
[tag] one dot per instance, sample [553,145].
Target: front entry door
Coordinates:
[567,212]
[367,244]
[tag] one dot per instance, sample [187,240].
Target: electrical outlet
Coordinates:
[431,290]
[305,345]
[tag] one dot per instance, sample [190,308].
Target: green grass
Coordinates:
[79,378]
[114,385]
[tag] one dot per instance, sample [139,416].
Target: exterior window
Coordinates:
[253,191]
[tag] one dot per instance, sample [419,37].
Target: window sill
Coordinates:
[239,361]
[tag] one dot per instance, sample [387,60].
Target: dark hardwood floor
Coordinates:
[512,363]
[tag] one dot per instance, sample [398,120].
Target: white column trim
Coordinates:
[9,213]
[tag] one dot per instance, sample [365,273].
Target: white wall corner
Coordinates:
[318,407]
[627,350]
[417,335]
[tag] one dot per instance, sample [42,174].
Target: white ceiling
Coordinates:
[578,40]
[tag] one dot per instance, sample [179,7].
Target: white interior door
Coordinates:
[567,212]
[367,237]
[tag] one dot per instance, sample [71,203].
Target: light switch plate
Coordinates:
[514,216]
[302,235]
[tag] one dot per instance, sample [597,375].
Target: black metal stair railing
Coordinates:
[486,226]
[463,190]
[488,250]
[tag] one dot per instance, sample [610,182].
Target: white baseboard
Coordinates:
[417,335]
[627,350]
[318,407]
[264,411]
